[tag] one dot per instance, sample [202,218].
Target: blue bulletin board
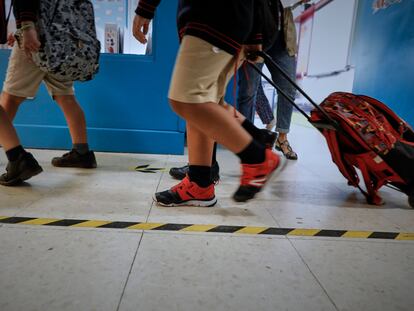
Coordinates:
[383,53]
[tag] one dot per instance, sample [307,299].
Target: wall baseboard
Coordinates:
[105,140]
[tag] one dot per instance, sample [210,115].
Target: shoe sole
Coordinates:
[23,177]
[76,166]
[195,203]
[272,176]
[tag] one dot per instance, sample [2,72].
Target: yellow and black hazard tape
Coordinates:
[81,223]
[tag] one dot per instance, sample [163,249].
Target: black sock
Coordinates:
[255,132]
[81,148]
[201,175]
[254,153]
[214,160]
[14,153]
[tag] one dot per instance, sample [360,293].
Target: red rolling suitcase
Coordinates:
[362,133]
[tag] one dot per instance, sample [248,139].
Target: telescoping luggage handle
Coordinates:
[269,61]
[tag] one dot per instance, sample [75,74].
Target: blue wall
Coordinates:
[384,55]
[125,105]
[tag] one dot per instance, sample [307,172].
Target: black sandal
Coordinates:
[290,154]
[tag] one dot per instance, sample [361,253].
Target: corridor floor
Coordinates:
[83,265]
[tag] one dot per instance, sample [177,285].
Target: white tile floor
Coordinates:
[49,268]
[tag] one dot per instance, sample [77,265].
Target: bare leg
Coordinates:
[200,147]
[235,113]
[283,144]
[11,104]
[216,123]
[74,117]
[8,135]
[282,137]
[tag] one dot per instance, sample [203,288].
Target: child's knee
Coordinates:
[65,100]
[11,100]
[177,107]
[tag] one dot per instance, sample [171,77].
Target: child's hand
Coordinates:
[11,39]
[250,52]
[140,28]
[30,43]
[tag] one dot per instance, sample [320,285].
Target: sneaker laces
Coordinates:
[185,183]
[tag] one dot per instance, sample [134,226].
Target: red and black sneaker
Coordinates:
[187,193]
[255,176]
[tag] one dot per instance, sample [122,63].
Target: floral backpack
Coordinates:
[70,49]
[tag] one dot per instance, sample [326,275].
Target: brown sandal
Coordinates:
[290,154]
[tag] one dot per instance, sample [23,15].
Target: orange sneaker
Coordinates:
[187,193]
[255,176]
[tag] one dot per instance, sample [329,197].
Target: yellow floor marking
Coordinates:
[402,236]
[39,221]
[92,224]
[145,226]
[357,234]
[405,237]
[198,228]
[252,230]
[304,232]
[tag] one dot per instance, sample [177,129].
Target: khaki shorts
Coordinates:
[23,78]
[201,72]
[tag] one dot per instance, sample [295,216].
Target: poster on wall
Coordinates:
[111,21]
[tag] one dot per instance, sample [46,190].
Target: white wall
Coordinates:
[329,49]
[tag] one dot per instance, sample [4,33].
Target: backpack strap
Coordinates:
[372,185]
[346,164]
[347,170]
[376,173]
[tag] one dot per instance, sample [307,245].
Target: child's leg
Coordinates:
[264,136]
[180,172]
[215,122]
[200,147]
[80,156]
[200,152]
[8,135]
[22,80]
[74,117]
[11,104]
[198,85]
[22,165]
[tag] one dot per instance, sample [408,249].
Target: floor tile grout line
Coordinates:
[336,185]
[28,205]
[271,215]
[130,271]
[313,274]
[156,188]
